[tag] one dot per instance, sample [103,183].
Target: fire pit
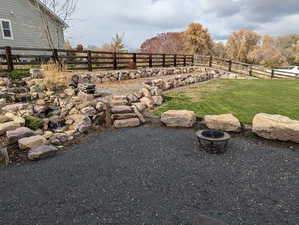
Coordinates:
[213,141]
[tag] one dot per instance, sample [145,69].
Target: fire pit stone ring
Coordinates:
[213,141]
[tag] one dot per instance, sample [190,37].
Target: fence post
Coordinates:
[229,66]
[185,60]
[114,61]
[150,58]
[9,58]
[135,58]
[250,70]
[174,60]
[55,55]
[89,60]
[164,60]
[211,61]
[272,73]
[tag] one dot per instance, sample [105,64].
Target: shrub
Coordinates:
[34,123]
[55,78]
[18,74]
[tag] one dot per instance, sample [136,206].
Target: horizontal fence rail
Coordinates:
[243,68]
[17,58]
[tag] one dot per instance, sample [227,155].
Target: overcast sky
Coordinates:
[96,21]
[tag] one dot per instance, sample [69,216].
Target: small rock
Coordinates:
[15,107]
[138,114]
[70,92]
[158,100]
[14,135]
[145,92]
[5,119]
[48,134]
[132,98]
[31,142]
[89,111]
[100,106]
[58,139]
[148,102]
[4,127]
[42,152]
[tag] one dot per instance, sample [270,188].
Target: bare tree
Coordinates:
[64,9]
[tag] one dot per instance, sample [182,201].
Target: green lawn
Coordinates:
[243,98]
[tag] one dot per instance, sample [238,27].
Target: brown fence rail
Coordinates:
[12,58]
[244,68]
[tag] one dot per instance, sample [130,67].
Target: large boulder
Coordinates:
[14,135]
[178,118]
[31,142]
[41,152]
[225,122]
[276,127]
[4,127]
[133,122]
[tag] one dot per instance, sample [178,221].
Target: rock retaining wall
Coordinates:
[45,118]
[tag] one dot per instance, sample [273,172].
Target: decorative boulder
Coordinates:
[133,122]
[225,122]
[31,142]
[41,152]
[178,118]
[276,127]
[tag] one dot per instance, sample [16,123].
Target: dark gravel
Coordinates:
[154,176]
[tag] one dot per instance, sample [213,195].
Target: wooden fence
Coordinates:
[244,68]
[12,58]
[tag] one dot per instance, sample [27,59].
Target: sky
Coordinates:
[96,21]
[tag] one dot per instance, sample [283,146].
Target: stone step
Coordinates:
[133,122]
[121,109]
[119,97]
[119,102]
[123,116]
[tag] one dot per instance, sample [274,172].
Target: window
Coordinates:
[6,29]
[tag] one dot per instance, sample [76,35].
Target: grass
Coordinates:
[243,98]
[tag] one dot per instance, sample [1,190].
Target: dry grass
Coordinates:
[55,76]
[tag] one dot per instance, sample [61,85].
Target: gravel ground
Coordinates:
[152,175]
[126,86]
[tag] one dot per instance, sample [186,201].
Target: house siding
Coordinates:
[27,26]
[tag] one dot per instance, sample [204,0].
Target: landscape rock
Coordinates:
[14,135]
[178,118]
[123,116]
[158,100]
[225,122]
[15,107]
[148,102]
[4,158]
[4,127]
[121,109]
[5,119]
[138,114]
[31,142]
[58,139]
[133,122]
[276,127]
[42,152]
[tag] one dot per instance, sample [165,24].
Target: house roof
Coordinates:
[51,13]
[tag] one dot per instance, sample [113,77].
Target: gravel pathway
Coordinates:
[153,175]
[126,86]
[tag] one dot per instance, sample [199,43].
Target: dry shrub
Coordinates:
[55,77]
